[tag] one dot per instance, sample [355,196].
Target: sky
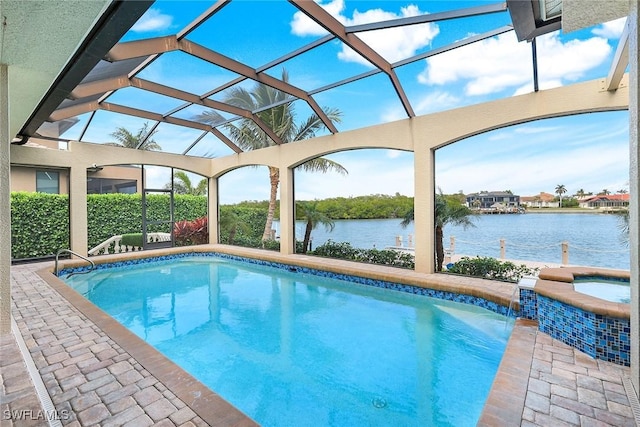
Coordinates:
[588,152]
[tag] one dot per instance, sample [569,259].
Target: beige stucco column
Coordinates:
[423,207]
[634,189]
[287,212]
[213,211]
[78,209]
[5,207]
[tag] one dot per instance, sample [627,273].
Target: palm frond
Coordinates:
[324,165]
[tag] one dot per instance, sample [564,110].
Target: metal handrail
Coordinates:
[93,265]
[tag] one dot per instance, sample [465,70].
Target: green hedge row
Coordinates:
[40,222]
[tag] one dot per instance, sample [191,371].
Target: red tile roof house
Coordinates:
[542,200]
[605,201]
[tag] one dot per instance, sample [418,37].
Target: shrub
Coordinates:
[132,239]
[39,224]
[194,232]
[344,250]
[491,268]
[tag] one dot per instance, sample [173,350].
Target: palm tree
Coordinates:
[605,192]
[182,185]
[560,190]
[623,225]
[128,140]
[231,223]
[281,119]
[580,193]
[447,211]
[622,191]
[310,213]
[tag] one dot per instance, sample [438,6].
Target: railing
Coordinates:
[451,250]
[113,244]
[69,251]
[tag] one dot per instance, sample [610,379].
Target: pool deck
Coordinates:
[97,373]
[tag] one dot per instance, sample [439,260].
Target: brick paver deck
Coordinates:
[94,380]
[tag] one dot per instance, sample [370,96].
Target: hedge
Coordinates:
[39,224]
[40,221]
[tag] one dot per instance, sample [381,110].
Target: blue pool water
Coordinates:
[290,348]
[607,288]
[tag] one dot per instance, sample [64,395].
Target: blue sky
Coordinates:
[581,152]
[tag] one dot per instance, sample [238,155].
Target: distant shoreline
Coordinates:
[566,210]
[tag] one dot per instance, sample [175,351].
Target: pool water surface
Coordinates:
[610,289]
[290,348]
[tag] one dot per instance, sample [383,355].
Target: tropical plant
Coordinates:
[623,225]
[604,192]
[447,211]
[491,268]
[129,140]
[231,223]
[194,232]
[281,119]
[182,185]
[344,250]
[308,211]
[580,193]
[560,190]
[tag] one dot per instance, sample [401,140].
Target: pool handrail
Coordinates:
[93,265]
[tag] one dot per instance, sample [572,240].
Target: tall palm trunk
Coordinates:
[307,236]
[274,179]
[439,248]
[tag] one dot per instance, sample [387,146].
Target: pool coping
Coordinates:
[506,401]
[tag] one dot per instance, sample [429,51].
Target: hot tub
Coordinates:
[592,317]
[615,289]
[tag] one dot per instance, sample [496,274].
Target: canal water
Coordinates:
[593,239]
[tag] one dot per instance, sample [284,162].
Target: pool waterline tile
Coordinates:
[493,306]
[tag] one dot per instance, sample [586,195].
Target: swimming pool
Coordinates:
[291,348]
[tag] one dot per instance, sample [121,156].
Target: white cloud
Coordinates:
[371,171]
[529,176]
[392,114]
[611,29]
[436,101]
[501,62]
[393,44]
[588,151]
[302,25]
[152,20]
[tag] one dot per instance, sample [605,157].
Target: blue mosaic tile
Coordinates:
[528,304]
[599,336]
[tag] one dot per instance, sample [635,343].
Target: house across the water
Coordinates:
[494,202]
[605,201]
[542,200]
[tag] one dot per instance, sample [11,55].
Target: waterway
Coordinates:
[593,239]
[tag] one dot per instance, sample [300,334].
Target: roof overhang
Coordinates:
[66,40]
[534,18]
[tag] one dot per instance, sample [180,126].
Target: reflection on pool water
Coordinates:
[290,348]
[606,288]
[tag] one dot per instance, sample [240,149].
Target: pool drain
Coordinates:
[379,402]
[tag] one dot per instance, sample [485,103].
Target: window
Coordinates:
[110,185]
[48,182]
